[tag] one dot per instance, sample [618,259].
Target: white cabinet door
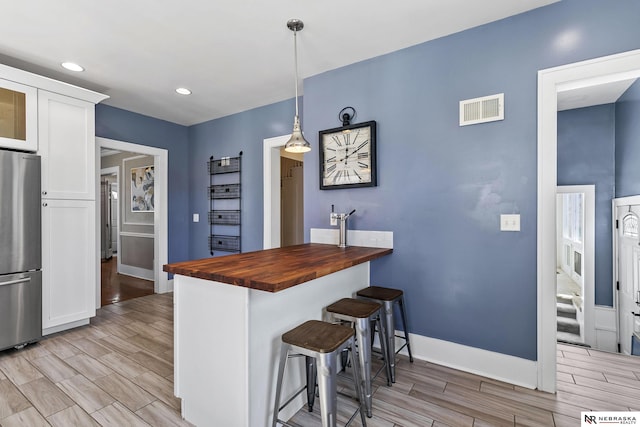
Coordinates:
[69,262]
[18,116]
[66,128]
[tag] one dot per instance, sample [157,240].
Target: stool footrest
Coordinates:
[296,394]
[401,347]
[287,424]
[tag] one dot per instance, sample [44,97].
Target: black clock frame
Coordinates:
[374,164]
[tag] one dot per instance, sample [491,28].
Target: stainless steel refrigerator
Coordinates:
[20,249]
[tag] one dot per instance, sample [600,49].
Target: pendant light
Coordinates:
[297,143]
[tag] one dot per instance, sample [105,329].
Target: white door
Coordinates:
[628,272]
[66,134]
[69,263]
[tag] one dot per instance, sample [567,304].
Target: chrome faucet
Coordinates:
[342,218]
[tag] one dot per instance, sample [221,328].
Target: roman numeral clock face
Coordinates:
[348,156]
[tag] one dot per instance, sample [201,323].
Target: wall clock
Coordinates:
[348,156]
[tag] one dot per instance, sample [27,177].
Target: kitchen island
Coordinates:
[229,314]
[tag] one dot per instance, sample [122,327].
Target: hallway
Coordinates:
[119,287]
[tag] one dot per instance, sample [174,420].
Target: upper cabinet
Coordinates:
[18,116]
[66,128]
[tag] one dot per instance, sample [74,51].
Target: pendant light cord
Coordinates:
[295,59]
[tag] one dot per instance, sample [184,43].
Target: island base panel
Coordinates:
[227,344]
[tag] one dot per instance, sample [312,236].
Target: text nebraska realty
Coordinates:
[610,419]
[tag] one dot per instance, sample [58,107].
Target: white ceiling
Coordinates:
[596,94]
[233,54]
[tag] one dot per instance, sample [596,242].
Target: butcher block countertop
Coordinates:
[274,270]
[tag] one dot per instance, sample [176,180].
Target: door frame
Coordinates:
[551,81]
[588,250]
[160,213]
[271,182]
[615,204]
[114,171]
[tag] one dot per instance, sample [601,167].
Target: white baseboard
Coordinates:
[140,273]
[502,367]
[60,328]
[606,323]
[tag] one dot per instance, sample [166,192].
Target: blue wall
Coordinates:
[442,187]
[628,142]
[586,155]
[122,125]
[227,137]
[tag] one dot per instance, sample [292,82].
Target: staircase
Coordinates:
[568,325]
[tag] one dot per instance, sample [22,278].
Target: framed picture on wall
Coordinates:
[142,189]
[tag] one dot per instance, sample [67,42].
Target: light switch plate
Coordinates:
[196,217]
[510,222]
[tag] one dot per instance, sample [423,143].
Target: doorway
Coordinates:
[575,264]
[551,81]
[278,210]
[109,212]
[125,273]
[158,213]
[291,198]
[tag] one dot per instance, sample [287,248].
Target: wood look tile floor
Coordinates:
[118,371]
[426,394]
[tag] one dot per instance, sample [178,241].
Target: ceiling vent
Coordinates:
[481,110]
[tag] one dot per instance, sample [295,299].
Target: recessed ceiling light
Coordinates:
[72,66]
[183,91]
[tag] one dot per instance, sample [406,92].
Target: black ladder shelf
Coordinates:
[225,197]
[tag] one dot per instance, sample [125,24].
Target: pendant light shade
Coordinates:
[297,143]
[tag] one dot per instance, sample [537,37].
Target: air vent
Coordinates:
[481,110]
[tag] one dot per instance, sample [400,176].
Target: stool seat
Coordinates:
[379,293]
[321,337]
[354,308]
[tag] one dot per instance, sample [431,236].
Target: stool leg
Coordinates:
[357,381]
[284,353]
[383,347]
[344,360]
[327,387]
[311,382]
[390,330]
[405,327]
[363,335]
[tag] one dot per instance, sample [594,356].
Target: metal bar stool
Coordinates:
[388,297]
[323,342]
[361,314]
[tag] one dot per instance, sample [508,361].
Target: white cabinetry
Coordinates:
[68,263]
[59,119]
[18,116]
[67,146]
[66,129]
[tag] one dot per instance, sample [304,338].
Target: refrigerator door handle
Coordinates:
[13,282]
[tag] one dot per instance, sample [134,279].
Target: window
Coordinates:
[572,212]
[577,263]
[630,225]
